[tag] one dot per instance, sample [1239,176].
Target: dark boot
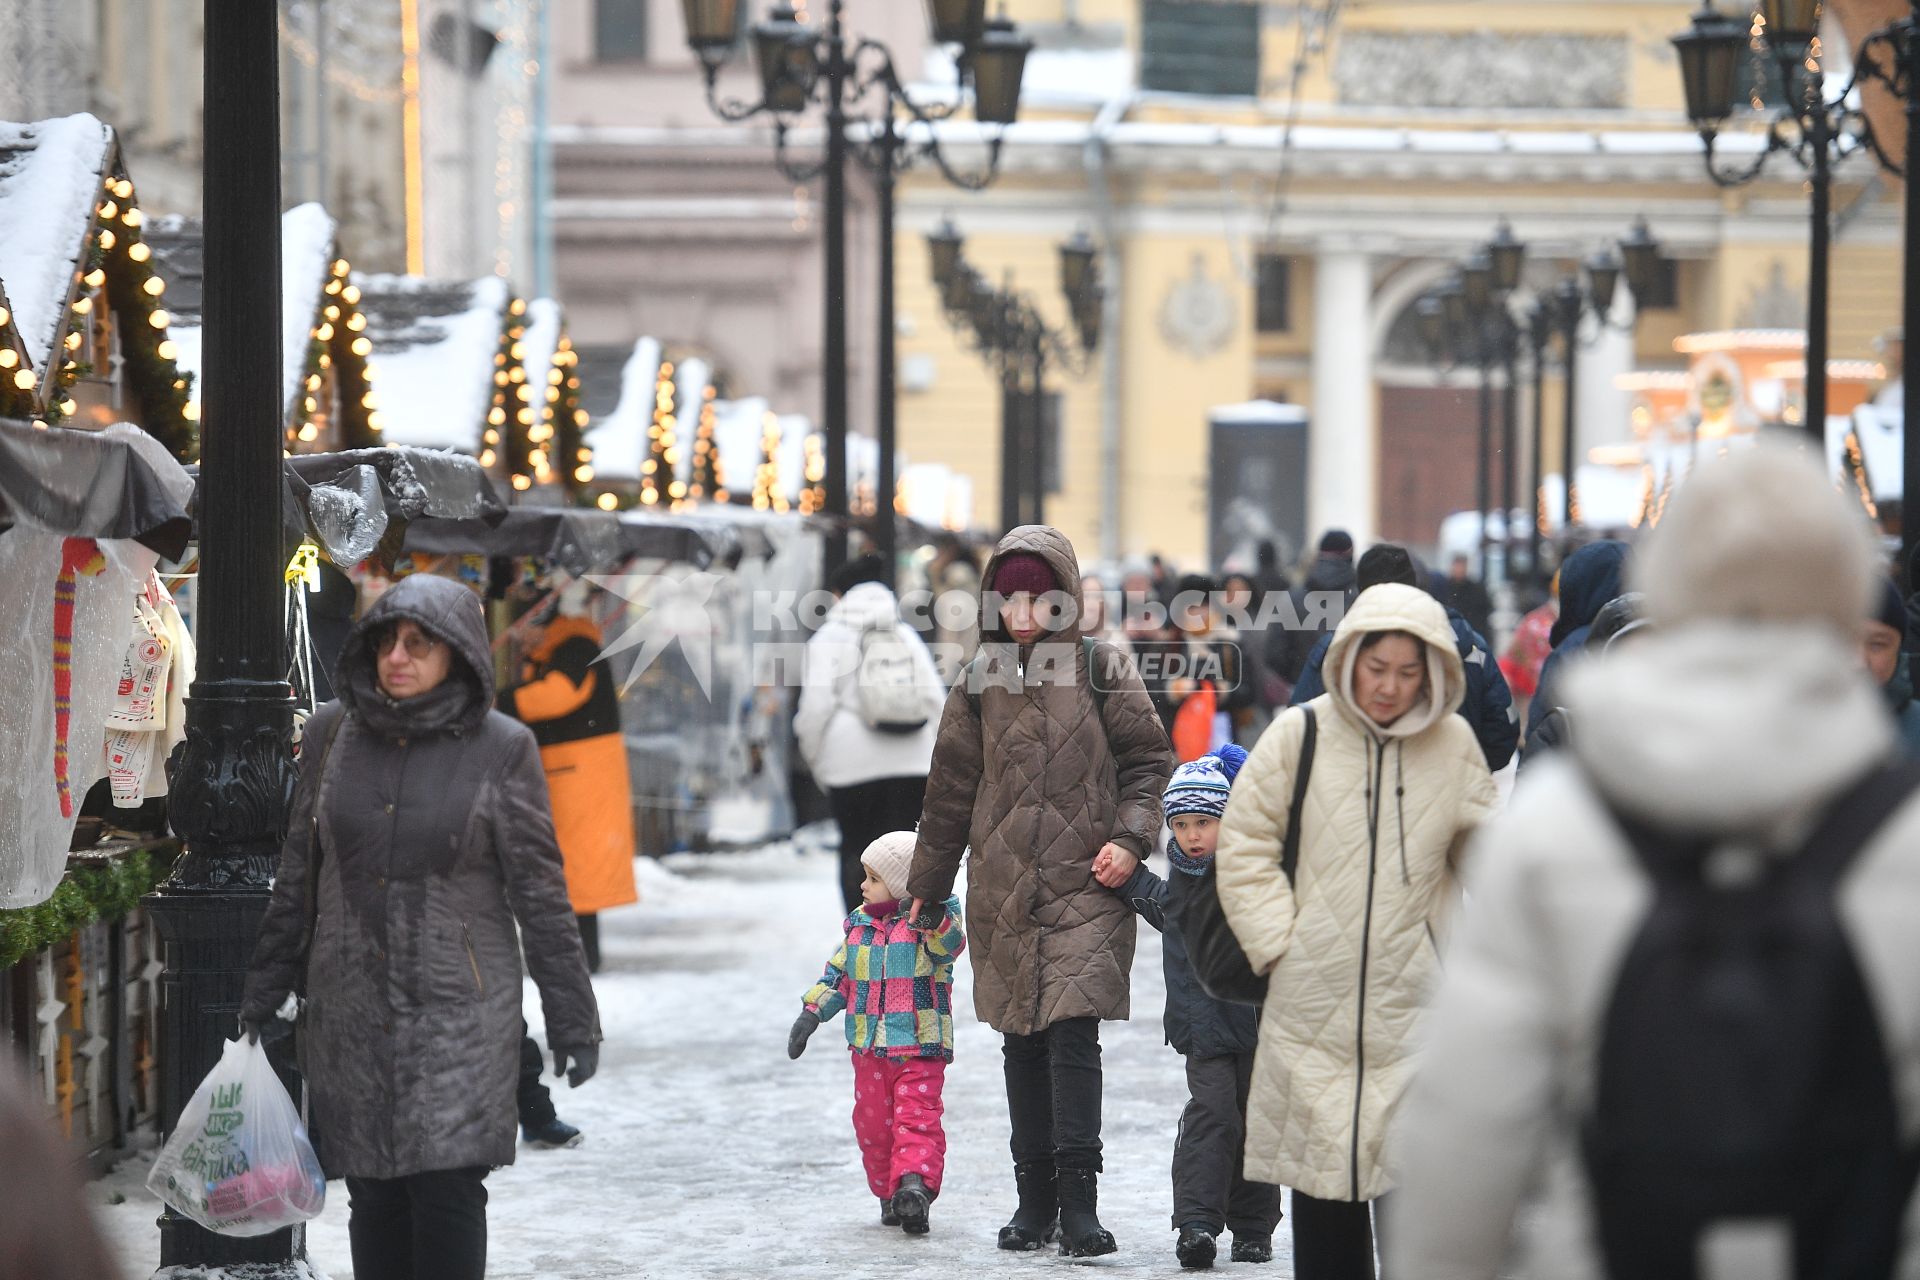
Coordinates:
[555,1133]
[1036,1221]
[888,1218]
[1081,1235]
[1252,1248]
[910,1203]
[1195,1247]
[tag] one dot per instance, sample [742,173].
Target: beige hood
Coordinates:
[1393,606]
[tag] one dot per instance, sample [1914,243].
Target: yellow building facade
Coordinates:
[1364,152]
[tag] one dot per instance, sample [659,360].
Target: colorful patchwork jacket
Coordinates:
[895,982]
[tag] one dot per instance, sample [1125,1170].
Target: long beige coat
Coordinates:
[1351,949]
[1035,781]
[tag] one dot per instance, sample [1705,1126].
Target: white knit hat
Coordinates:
[890,858]
[1758,536]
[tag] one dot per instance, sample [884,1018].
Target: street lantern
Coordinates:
[1571,303]
[944,244]
[957,21]
[711,28]
[998,61]
[1603,280]
[1476,281]
[1086,315]
[1431,314]
[1453,305]
[1791,25]
[1509,256]
[1710,53]
[1640,253]
[783,52]
[956,295]
[1076,265]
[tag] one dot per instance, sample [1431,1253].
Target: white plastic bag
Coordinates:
[239,1162]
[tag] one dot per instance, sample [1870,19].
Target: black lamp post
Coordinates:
[231,780]
[798,66]
[1818,133]
[1539,334]
[1009,332]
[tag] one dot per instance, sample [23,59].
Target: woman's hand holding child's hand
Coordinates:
[1113,866]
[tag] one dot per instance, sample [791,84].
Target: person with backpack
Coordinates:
[1682,1014]
[1488,705]
[870,696]
[1050,754]
[1590,577]
[1619,619]
[1345,919]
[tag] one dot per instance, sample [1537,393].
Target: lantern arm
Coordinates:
[732,110]
[884,76]
[795,173]
[1895,76]
[1739,177]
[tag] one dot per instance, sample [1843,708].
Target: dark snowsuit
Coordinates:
[1590,578]
[1217,1039]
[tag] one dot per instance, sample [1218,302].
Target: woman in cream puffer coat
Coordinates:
[1351,947]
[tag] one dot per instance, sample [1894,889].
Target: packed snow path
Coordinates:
[709,1154]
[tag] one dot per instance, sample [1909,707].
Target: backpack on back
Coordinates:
[1743,1098]
[895,695]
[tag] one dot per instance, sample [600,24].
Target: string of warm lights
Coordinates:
[565,422]
[813,497]
[511,412]
[662,446]
[708,475]
[766,480]
[336,371]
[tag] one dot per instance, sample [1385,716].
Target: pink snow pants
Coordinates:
[896,1117]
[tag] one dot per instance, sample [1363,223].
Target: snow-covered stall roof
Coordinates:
[541,341]
[739,431]
[306,258]
[619,439]
[792,454]
[691,378]
[50,175]
[432,361]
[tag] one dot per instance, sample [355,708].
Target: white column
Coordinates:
[1342,449]
[1603,414]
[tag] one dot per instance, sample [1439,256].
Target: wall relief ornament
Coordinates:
[1481,69]
[1197,316]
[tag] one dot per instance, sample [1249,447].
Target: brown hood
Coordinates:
[1050,545]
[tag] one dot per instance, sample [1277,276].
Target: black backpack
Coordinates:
[1193,903]
[1742,1076]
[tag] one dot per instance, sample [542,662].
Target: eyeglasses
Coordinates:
[418,643]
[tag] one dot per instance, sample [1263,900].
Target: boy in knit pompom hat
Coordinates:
[1217,1038]
[895,981]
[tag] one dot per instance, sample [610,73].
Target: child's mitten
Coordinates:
[803,1027]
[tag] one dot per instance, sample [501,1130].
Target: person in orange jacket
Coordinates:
[568,697]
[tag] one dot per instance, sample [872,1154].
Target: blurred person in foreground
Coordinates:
[46,1232]
[1683,1006]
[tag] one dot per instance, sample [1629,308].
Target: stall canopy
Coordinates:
[579,540]
[117,483]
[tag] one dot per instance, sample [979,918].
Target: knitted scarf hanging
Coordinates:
[78,556]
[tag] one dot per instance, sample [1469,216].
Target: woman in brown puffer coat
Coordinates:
[1039,769]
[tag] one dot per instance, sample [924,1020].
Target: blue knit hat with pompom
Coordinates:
[1202,786]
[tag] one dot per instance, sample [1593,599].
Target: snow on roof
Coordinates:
[542,343]
[738,429]
[50,172]
[619,439]
[1258,413]
[1882,437]
[306,261]
[691,377]
[432,362]
[792,454]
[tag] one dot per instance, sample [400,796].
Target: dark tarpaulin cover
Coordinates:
[87,485]
[577,539]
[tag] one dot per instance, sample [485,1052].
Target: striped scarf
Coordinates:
[78,556]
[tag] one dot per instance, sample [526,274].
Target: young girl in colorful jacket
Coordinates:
[895,982]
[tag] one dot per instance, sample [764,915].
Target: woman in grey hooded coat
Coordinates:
[420,835]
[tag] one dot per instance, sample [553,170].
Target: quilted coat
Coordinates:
[1035,781]
[894,981]
[570,701]
[434,840]
[1351,948]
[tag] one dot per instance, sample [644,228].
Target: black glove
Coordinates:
[930,917]
[586,1061]
[803,1026]
[268,1032]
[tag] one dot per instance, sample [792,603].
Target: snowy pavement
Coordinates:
[709,1154]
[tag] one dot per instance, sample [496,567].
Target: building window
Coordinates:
[1664,293]
[1200,46]
[1273,300]
[619,29]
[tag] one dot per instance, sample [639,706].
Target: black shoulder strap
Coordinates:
[1290,845]
[1845,828]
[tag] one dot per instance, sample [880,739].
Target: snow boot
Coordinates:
[1081,1235]
[888,1218]
[1036,1220]
[1252,1248]
[555,1133]
[1195,1247]
[910,1203]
